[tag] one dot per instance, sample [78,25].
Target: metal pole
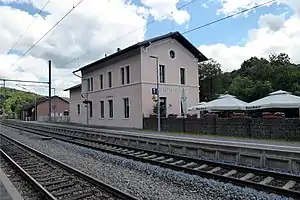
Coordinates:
[4,100]
[158,97]
[35,111]
[87,109]
[49,90]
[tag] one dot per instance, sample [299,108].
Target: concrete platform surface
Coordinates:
[212,139]
[7,189]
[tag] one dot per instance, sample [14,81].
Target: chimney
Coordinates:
[105,55]
[118,49]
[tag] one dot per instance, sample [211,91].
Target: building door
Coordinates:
[163,106]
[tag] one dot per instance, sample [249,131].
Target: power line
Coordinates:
[229,16]
[28,28]
[56,24]
[134,30]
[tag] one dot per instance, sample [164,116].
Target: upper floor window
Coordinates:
[110,79]
[122,75]
[90,84]
[182,76]
[162,75]
[101,81]
[127,74]
[172,54]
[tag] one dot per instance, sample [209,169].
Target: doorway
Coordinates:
[163,106]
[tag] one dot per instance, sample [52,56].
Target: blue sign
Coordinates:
[154,90]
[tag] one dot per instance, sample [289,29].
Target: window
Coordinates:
[123,75]
[101,109]
[91,109]
[111,108]
[172,54]
[101,81]
[90,84]
[78,109]
[126,107]
[109,80]
[182,76]
[127,74]
[162,74]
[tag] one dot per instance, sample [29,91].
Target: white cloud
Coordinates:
[159,8]
[266,39]
[232,6]
[89,28]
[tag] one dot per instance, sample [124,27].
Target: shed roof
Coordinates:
[42,100]
[175,35]
[73,87]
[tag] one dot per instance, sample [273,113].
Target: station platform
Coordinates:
[7,189]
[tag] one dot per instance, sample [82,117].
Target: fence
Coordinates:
[54,119]
[287,129]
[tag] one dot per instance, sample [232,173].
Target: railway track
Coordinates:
[53,179]
[269,181]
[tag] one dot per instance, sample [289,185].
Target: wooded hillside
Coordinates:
[256,78]
[14,99]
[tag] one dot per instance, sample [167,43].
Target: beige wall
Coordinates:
[143,79]
[172,89]
[75,99]
[116,93]
[43,108]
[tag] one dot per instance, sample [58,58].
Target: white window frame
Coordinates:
[101,74]
[111,72]
[124,106]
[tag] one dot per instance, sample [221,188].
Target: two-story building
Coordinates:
[119,88]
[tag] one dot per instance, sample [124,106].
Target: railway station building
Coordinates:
[120,89]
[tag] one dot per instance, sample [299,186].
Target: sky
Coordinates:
[96,27]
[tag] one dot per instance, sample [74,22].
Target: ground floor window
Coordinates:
[78,109]
[126,107]
[101,109]
[111,108]
[91,109]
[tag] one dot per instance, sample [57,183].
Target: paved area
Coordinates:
[7,189]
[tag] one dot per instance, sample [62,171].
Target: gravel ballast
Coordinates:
[142,180]
[27,191]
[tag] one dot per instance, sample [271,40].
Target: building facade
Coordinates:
[119,89]
[39,110]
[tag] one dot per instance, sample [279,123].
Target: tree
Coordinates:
[14,100]
[209,72]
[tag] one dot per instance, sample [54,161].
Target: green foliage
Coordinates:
[256,78]
[13,100]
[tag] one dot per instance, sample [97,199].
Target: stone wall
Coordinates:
[287,129]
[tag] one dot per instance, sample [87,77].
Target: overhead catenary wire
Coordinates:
[185,32]
[28,27]
[130,32]
[56,24]
[229,16]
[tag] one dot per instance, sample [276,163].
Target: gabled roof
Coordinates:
[175,35]
[42,100]
[73,87]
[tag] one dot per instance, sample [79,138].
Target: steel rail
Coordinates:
[122,150]
[107,188]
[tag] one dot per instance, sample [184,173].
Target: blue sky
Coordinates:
[229,32]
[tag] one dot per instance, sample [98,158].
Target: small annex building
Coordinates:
[120,89]
[39,110]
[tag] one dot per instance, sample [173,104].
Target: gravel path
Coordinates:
[142,180]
